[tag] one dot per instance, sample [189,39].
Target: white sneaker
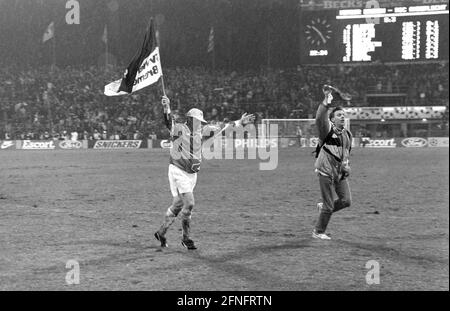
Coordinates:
[321,236]
[319,206]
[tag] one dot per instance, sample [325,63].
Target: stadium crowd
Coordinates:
[40,103]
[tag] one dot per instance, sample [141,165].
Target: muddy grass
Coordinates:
[252,227]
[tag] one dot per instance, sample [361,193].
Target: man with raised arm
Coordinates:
[185,161]
[332,164]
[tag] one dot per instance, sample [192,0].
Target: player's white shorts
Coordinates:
[181,181]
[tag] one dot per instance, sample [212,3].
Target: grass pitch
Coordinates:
[253,228]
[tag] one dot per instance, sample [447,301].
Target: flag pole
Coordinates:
[212,48]
[214,58]
[269,41]
[106,47]
[54,50]
[162,74]
[162,83]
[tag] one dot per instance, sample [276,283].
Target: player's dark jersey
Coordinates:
[334,146]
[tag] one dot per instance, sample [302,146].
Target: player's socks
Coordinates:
[186,226]
[169,218]
[168,221]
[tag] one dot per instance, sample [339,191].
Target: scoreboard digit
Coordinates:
[411,40]
[432,41]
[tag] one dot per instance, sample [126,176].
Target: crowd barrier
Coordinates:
[43,144]
[367,142]
[409,142]
[364,142]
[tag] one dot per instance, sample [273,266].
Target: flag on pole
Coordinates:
[105,41]
[211,40]
[157,38]
[144,69]
[49,32]
[105,35]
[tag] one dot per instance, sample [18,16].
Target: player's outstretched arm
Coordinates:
[243,121]
[322,122]
[165,102]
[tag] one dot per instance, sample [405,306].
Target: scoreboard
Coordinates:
[414,33]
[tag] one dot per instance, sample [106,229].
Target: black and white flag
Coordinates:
[144,70]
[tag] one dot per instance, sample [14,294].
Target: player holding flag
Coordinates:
[185,160]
